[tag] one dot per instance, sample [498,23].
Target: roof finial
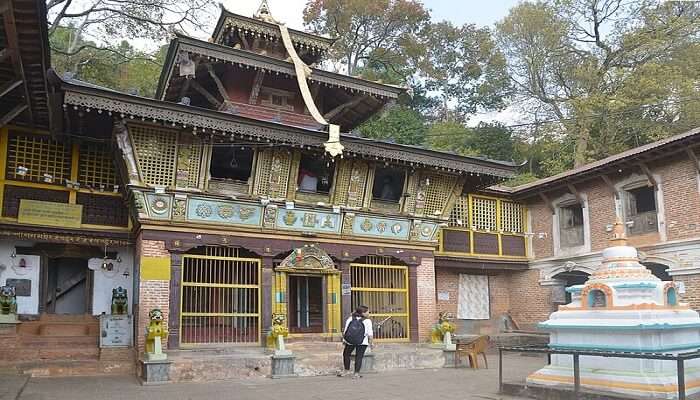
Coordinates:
[619,238]
[264,13]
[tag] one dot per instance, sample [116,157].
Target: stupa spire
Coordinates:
[619,238]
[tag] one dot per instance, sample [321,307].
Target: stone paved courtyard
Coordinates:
[445,384]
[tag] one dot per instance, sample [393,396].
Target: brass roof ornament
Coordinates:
[264,13]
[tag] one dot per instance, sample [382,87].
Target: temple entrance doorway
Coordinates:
[68,286]
[305,304]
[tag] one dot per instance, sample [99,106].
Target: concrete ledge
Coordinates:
[557,393]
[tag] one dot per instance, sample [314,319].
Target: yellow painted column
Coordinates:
[75,152]
[333,285]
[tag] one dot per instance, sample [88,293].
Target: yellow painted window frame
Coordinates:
[184,284]
[405,290]
[499,231]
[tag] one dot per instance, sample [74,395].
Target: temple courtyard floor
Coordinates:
[444,384]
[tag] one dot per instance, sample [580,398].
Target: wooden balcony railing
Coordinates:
[467,242]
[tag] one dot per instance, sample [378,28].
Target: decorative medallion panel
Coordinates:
[301,220]
[381,227]
[224,212]
[158,205]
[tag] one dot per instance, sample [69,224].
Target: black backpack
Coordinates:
[355,333]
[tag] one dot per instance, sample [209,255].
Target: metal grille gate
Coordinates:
[220,298]
[382,286]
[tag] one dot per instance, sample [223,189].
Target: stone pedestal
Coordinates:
[283,365]
[8,319]
[450,358]
[368,364]
[154,372]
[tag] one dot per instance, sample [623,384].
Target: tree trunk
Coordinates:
[581,145]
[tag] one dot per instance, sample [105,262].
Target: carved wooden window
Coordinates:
[511,217]
[641,210]
[437,191]
[38,158]
[189,161]
[484,214]
[276,98]
[96,167]
[459,216]
[231,162]
[388,184]
[156,153]
[571,225]
[315,174]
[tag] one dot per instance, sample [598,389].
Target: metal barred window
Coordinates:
[156,153]
[96,167]
[220,298]
[484,215]
[381,284]
[37,158]
[511,217]
[459,217]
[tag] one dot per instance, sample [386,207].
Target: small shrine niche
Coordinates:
[597,299]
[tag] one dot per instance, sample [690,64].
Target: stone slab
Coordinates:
[154,372]
[283,366]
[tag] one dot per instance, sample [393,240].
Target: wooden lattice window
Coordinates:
[437,190]
[96,167]
[484,214]
[38,159]
[189,161]
[156,153]
[511,217]
[460,212]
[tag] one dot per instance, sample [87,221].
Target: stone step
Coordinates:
[53,341]
[51,328]
[312,359]
[36,353]
[76,368]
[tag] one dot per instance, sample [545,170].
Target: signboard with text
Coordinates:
[47,213]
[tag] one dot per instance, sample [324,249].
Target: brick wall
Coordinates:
[692,290]
[530,303]
[427,314]
[541,217]
[447,281]
[681,199]
[152,293]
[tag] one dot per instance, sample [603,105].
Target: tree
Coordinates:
[379,35]
[583,62]
[463,66]
[119,67]
[493,141]
[400,124]
[109,21]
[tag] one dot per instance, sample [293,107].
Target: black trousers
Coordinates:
[359,354]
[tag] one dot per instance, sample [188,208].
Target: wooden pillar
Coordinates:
[346,296]
[266,306]
[174,309]
[413,302]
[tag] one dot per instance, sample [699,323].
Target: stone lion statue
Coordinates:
[8,300]
[278,329]
[155,331]
[120,301]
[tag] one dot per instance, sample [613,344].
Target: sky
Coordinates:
[479,12]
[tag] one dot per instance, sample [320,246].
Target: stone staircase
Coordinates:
[61,345]
[312,359]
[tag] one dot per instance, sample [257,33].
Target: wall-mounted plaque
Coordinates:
[115,330]
[23,287]
[48,213]
[346,289]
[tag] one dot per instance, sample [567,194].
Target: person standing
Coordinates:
[357,335]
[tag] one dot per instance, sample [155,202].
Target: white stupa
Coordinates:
[623,307]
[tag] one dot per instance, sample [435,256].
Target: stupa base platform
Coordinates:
[624,384]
